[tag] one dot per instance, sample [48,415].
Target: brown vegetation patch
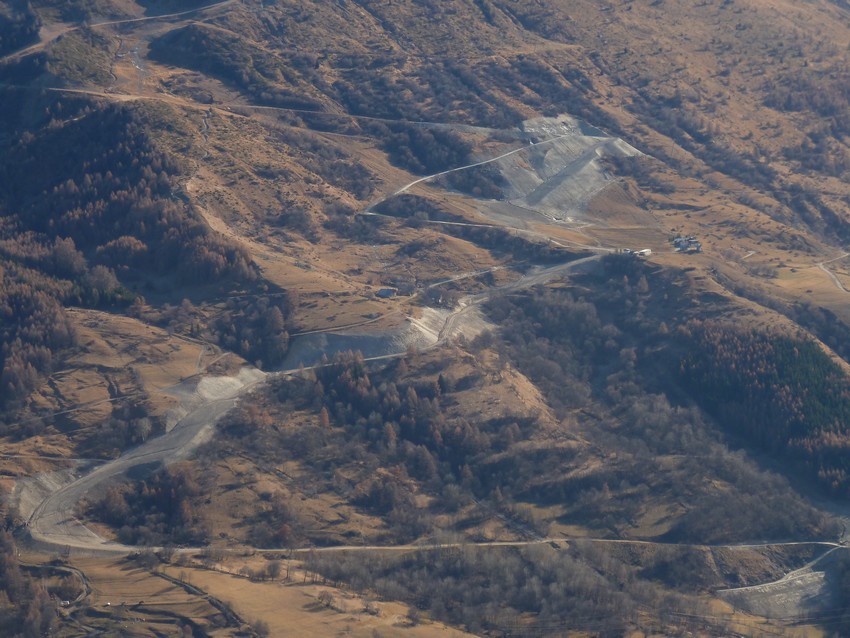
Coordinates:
[306,609]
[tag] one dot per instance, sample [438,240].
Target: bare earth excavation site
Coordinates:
[416,318]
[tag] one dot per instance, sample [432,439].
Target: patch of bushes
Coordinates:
[158,510]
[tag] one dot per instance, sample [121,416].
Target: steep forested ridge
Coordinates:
[783,394]
[100,180]
[92,216]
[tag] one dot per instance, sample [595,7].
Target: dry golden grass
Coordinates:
[123,594]
[749,625]
[657,519]
[295,609]
[114,340]
[244,486]
[506,392]
[119,358]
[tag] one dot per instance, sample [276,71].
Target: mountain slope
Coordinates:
[188,189]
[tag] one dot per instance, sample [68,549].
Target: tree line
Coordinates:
[158,510]
[776,392]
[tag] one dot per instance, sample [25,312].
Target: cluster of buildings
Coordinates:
[687,244]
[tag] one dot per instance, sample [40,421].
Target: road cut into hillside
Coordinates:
[560,159]
[49,502]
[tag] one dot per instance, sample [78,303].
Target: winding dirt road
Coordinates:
[832,275]
[428,178]
[46,37]
[52,524]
